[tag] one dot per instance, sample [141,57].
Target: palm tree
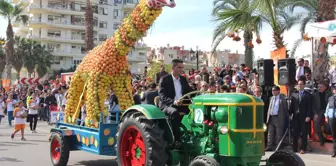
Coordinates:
[311,8]
[10,13]
[235,16]
[44,62]
[88,26]
[2,61]
[273,13]
[19,53]
[319,10]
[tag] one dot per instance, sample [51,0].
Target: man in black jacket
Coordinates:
[150,94]
[172,87]
[302,110]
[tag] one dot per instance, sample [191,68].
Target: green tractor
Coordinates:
[220,130]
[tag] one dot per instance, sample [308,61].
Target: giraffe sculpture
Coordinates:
[106,66]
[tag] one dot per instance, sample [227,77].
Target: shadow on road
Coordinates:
[29,140]
[3,149]
[17,143]
[102,162]
[9,159]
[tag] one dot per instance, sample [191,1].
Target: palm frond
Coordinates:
[218,40]
[304,22]
[310,6]
[295,47]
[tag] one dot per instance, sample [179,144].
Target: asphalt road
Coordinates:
[35,151]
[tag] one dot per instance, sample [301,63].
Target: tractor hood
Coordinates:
[226,99]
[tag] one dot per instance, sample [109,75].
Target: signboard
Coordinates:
[29,81]
[276,55]
[54,113]
[66,76]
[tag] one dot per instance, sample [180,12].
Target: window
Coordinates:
[116,13]
[103,24]
[54,19]
[115,26]
[54,33]
[57,60]
[141,54]
[103,11]
[171,55]
[77,62]
[117,1]
[103,2]
[53,46]
[102,37]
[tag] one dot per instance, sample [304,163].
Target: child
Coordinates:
[19,121]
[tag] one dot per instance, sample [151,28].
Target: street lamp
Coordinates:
[196,57]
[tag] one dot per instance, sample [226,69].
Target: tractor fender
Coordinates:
[153,113]
[150,111]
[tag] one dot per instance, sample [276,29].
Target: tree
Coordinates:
[44,62]
[319,10]
[89,26]
[235,16]
[19,53]
[311,7]
[273,13]
[2,61]
[155,67]
[10,13]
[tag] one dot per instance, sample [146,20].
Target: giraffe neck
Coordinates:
[134,27]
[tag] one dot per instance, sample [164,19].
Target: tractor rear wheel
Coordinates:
[287,158]
[59,150]
[140,142]
[204,161]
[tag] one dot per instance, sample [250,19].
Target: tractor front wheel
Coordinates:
[287,158]
[59,150]
[140,142]
[204,161]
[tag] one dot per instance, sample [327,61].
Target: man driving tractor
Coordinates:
[171,88]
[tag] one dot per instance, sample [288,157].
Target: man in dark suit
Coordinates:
[161,74]
[150,94]
[302,110]
[320,101]
[276,117]
[172,87]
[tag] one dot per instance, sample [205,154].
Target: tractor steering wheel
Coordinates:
[187,97]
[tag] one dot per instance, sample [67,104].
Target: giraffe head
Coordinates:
[160,3]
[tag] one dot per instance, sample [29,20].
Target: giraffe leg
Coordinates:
[98,86]
[122,88]
[76,88]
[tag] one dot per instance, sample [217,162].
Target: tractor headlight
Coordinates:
[224,129]
[265,127]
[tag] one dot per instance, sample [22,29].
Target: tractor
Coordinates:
[220,130]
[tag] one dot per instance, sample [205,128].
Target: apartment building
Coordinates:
[59,25]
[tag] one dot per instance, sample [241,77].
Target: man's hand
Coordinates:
[315,117]
[326,119]
[307,119]
[177,102]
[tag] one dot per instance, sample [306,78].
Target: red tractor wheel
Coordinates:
[140,142]
[59,150]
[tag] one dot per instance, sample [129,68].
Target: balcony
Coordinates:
[128,6]
[35,8]
[66,53]
[73,39]
[62,24]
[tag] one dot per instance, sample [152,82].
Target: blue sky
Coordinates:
[190,24]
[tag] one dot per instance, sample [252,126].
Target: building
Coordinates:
[59,25]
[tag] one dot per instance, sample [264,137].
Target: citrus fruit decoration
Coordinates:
[106,68]
[110,141]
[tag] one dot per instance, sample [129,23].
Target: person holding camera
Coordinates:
[330,117]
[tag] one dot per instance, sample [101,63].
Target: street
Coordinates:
[35,151]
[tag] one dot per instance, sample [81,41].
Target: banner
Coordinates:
[321,29]
[6,84]
[276,55]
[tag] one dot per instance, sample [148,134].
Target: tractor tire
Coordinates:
[59,150]
[140,141]
[204,161]
[286,157]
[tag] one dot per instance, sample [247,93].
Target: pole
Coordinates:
[197,59]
